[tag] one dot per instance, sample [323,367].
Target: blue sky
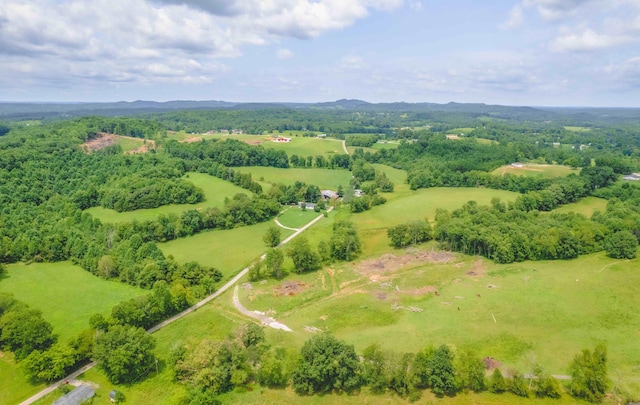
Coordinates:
[513,52]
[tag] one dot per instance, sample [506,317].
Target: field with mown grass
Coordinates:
[586,206]
[307,146]
[295,217]
[228,250]
[215,191]
[536,170]
[67,296]
[326,179]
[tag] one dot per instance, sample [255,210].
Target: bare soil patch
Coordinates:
[418,292]
[102,141]
[478,269]
[290,288]
[490,363]
[389,263]
[191,139]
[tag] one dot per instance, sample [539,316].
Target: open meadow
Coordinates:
[586,206]
[536,170]
[67,296]
[228,250]
[323,178]
[215,191]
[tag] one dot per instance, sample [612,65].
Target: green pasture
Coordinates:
[461,131]
[295,217]
[577,129]
[128,144]
[215,191]
[227,250]
[397,176]
[326,179]
[486,141]
[307,146]
[586,206]
[536,170]
[15,387]
[539,308]
[66,294]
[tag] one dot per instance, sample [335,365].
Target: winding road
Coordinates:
[187,311]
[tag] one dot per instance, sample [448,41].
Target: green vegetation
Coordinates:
[66,294]
[307,146]
[295,217]
[227,250]
[536,170]
[586,206]
[323,178]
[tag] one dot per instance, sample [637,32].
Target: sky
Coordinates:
[510,52]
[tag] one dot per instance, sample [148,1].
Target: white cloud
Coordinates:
[163,40]
[416,5]
[556,9]
[516,18]
[586,40]
[350,63]
[284,53]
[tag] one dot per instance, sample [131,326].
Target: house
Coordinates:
[76,397]
[518,165]
[322,135]
[358,193]
[632,177]
[328,194]
[306,205]
[280,139]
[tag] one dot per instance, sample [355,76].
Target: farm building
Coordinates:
[322,135]
[632,177]
[328,194]
[517,165]
[281,139]
[76,397]
[306,205]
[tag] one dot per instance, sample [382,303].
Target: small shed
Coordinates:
[632,177]
[328,194]
[76,397]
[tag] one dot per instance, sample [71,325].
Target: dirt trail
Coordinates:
[285,227]
[261,316]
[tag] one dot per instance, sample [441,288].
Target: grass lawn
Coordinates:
[587,206]
[295,217]
[397,176]
[127,144]
[215,191]
[326,179]
[536,170]
[66,294]
[307,146]
[227,250]
[461,131]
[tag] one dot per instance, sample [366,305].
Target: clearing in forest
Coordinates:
[127,143]
[536,170]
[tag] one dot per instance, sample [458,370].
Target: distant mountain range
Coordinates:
[14,111]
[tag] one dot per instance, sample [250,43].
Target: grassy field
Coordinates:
[577,129]
[587,206]
[306,146]
[67,296]
[536,170]
[128,144]
[215,191]
[323,178]
[295,217]
[348,300]
[227,250]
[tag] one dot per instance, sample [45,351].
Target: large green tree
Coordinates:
[125,353]
[345,243]
[621,245]
[305,259]
[589,378]
[326,365]
[442,379]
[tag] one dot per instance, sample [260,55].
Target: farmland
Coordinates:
[215,191]
[536,170]
[323,178]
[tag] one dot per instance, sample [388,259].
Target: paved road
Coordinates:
[174,318]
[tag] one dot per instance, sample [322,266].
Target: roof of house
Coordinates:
[77,396]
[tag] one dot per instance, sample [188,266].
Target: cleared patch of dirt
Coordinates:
[389,263]
[102,141]
[478,269]
[290,288]
[490,363]
[191,139]
[254,142]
